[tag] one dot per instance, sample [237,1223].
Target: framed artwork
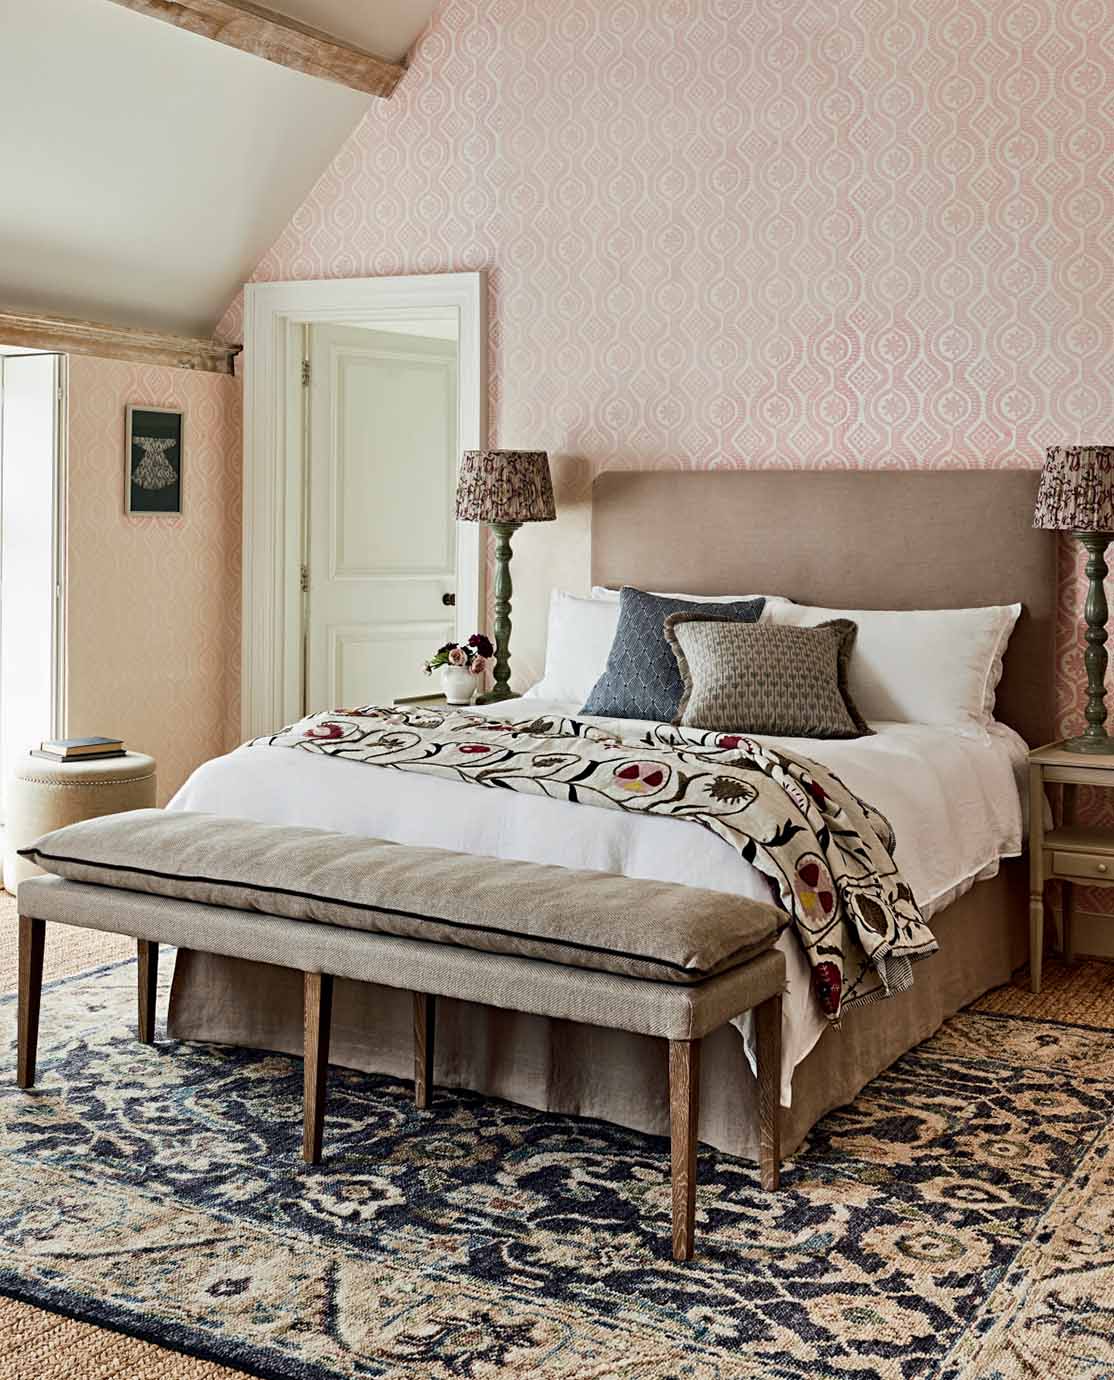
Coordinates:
[153,482]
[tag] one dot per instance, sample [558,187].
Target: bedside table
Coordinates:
[422,701]
[1069,852]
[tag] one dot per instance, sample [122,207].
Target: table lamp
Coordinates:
[504,488]
[1076,494]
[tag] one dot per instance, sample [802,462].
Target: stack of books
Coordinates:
[79,749]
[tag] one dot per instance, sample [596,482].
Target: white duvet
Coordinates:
[953,799]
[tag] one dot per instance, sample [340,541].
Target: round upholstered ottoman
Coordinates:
[44,795]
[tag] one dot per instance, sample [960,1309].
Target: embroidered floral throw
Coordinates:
[827,854]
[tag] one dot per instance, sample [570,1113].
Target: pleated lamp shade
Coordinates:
[1076,492]
[505,486]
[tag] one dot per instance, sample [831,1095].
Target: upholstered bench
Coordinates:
[651,957]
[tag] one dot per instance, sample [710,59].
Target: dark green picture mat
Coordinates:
[156,425]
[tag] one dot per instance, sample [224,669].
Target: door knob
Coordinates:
[449,600]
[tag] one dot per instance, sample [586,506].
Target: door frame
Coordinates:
[272,660]
[58,530]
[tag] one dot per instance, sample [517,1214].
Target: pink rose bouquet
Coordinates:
[473,655]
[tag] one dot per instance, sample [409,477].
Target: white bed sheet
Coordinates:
[954,802]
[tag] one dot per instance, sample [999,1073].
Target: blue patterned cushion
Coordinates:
[642,680]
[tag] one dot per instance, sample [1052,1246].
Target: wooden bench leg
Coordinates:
[318,1013]
[148,952]
[767,1027]
[32,937]
[425,1030]
[684,1114]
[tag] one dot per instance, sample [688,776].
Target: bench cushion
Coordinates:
[653,930]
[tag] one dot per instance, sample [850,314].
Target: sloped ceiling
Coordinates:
[144,171]
[386,28]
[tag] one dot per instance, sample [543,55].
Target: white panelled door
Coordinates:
[381,532]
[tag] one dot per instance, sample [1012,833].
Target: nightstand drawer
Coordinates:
[1083,865]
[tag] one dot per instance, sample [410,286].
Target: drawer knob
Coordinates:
[1101,867]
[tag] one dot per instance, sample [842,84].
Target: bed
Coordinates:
[942,539]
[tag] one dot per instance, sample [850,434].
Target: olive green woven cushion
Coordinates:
[661,931]
[765,678]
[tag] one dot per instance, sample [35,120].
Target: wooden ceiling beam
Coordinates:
[69,336]
[287,42]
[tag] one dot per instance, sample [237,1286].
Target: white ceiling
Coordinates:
[144,171]
[386,28]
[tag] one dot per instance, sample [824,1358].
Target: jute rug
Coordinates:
[956,1221]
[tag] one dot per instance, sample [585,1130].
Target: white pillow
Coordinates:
[581,632]
[925,666]
[602,592]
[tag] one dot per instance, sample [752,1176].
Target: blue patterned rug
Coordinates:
[957,1220]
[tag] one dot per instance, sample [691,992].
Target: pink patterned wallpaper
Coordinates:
[153,604]
[751,233]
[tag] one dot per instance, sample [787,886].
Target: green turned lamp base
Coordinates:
[1093,746]
[1095,739]
[500,693]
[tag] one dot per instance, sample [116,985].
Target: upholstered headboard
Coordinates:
[878,539]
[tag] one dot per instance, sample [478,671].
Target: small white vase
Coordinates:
[458,684]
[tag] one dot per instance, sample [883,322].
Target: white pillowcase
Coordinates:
[924,666]
[581,632]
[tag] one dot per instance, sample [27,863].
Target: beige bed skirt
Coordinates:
[589,1071]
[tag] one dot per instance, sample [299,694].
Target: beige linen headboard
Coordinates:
[878,539]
